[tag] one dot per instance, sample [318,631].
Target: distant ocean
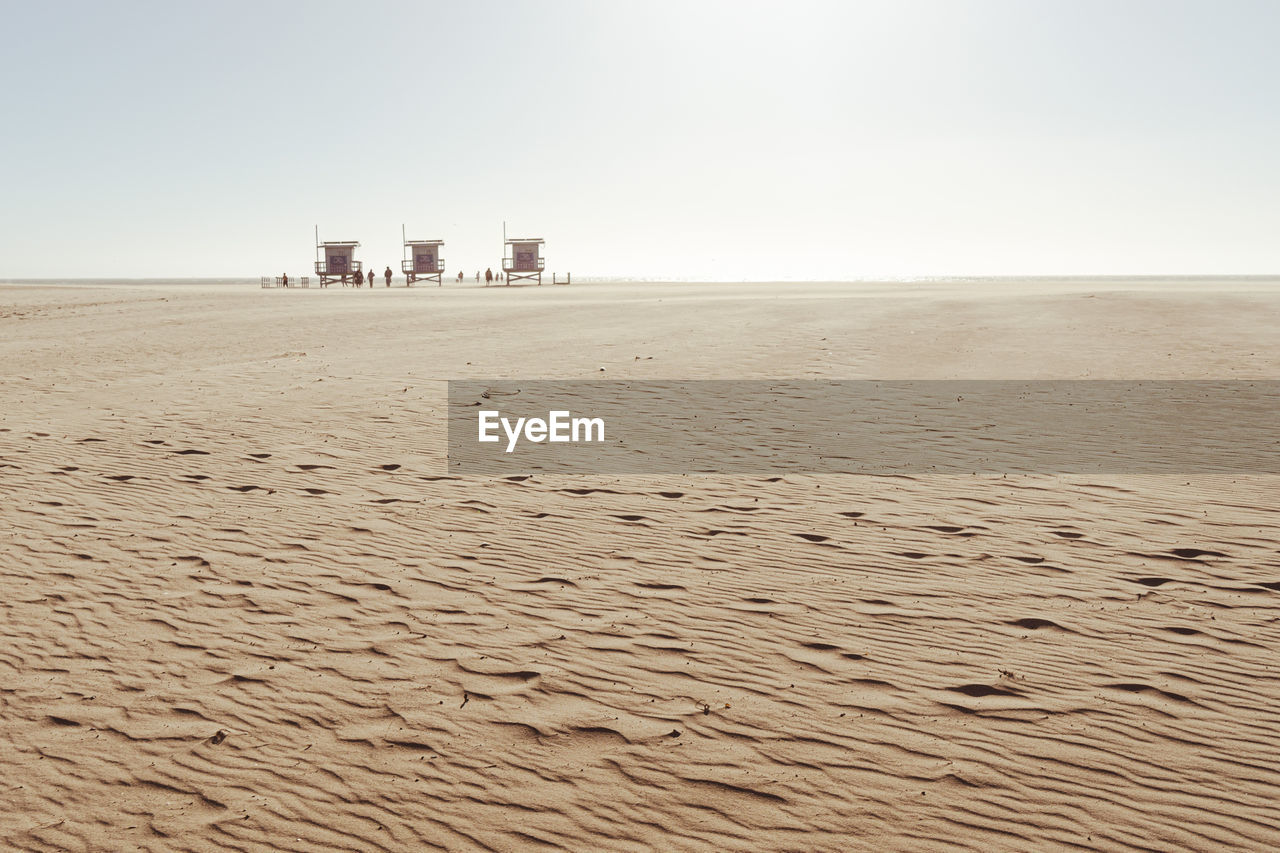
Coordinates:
[135,282]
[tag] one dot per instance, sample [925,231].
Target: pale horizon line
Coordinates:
[657,279]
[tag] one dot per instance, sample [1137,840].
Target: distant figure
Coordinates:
[284,279]
[387,276]
[488,276]
[459,275]
[477,276]
[371,278]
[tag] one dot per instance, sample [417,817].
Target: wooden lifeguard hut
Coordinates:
[522,258]
[422,261]
[339,263]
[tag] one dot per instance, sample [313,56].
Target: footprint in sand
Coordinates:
[979,690]
[1194,553]
[1032,623]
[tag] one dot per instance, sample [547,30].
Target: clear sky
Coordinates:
[735,140]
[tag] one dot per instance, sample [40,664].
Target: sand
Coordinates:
[244,608]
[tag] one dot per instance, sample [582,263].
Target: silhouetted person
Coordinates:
[387,276]
[488,276]
[371,278]
[284,279]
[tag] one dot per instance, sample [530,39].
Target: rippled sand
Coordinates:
[244,608]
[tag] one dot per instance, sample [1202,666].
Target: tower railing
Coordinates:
[322,268]
[508,265]
[407,265]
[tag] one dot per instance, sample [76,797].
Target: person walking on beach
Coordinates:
[488,276]
[387,276]
[284,280]
[370,279]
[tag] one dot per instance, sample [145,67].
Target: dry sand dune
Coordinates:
[244,608]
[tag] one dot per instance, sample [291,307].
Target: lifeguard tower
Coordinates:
[422,261]
[339,262]
[522,259]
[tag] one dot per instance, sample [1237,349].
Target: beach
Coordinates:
[246,606]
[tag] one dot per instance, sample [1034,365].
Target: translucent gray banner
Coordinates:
[508,427]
